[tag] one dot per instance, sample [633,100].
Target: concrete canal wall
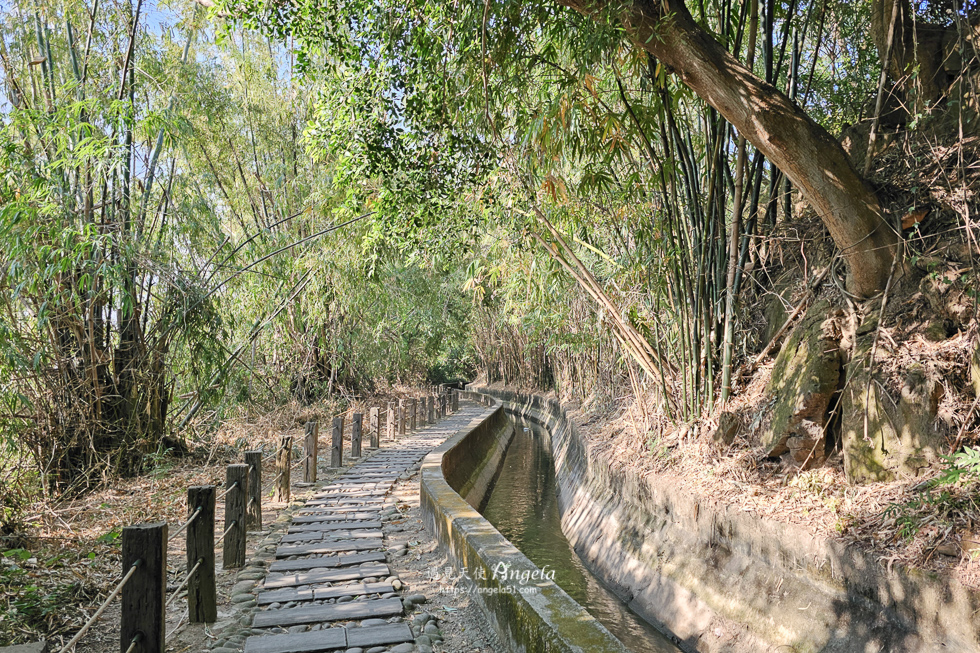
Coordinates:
[529,612]
[723,580]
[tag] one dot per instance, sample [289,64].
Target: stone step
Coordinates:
[314,614]
[319,516]
[311,536]
[327,547]
[326,562]
[316,576]
[354,589]
[336,526]
[330,639]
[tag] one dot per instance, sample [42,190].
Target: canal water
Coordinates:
[523,505]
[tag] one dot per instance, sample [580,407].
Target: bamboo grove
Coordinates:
[207,205]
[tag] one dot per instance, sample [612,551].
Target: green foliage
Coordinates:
[943,500]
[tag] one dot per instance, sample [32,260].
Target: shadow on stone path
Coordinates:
[325,584]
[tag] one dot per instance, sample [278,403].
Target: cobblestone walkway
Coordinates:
[325,584]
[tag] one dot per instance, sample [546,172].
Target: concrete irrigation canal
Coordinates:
[563,554]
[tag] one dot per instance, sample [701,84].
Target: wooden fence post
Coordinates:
[337,443]
[455,401]
[432,410]
[253,509]
[374,427]
[390,425]
[401,417]
[144,596]
[355,435]
[202,598]
[310,445]
[235,519]
[413,414]
[283,469]
[422,421]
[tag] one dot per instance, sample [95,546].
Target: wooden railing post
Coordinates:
[337,443]
[422,420]
[413,414]
[283,468]
[253,509]
[235,519]
[144,596]
[310,446]
[401,417]
[455,401]
[374,427]
[355,435]
[202,598]
[390,425]
[432,410]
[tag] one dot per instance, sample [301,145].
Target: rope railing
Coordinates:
[185,581]
[197,511]
[144,547]
[227,490]
[227,530]
[137,638]
[102,608]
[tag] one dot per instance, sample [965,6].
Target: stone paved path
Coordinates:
[328,587]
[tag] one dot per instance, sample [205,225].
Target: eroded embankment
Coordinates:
[528,611]
[723,580]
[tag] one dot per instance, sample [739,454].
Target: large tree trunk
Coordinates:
[781,130]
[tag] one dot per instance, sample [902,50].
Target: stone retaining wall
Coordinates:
[546,620]
[719,579]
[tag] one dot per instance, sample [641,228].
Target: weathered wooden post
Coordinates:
[390,425]
[337,443]
[202,598]
[236,482]
[401,417]
[432,410]
[283,460]
[144,594]
[253,509]
[455,401]
[355,435]
[422,421]
[374,427]
[310,446]
[413,414]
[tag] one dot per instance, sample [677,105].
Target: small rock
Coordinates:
[297,629]
[367,623]
[422,648]
[345,599]
[403,648]
[431,629]
[243,586]
[408,605]
[251,575]
[417,598]
[423,640]
[241,598]
[376,649]
[356,649]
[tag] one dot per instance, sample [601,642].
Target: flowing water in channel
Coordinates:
[523,506]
